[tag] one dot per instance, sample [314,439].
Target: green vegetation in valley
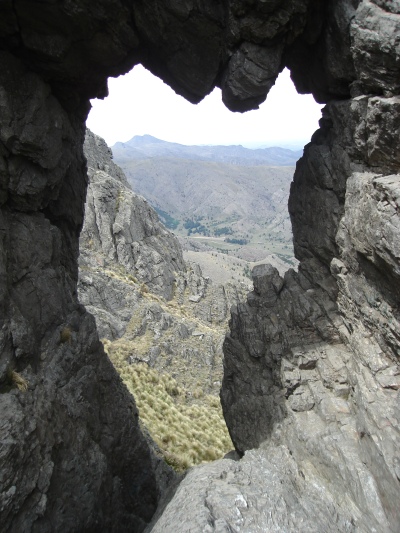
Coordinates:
[168,221]
[195,226]
[247,272]
[242,242]
[223,231]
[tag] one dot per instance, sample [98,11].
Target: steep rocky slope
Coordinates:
[72,456]
[151,308]
[121,236]
[135,282]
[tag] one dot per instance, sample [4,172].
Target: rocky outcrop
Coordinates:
[312,359]
[122,245]
[67,423]
[225,496]
[122,229]
[72,457]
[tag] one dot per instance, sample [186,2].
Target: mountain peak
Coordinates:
[139,140]
[147,146]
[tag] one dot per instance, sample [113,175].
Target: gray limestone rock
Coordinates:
[122,229]
[374,31]
[224,496]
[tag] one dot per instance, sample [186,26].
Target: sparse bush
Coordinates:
[198,393]
[65,335]
[213,401]
[144,288]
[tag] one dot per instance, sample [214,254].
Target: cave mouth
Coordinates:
[181,410]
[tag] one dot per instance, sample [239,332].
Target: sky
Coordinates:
[140,103]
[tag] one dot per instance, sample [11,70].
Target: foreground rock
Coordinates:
[66,422]
[226,496]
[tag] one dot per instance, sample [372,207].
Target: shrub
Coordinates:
[144,288]
[65,335]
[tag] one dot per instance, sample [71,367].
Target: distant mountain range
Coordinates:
[146,146]
[231,198]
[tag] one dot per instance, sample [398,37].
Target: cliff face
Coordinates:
[311,359]
[121,234]
[67,460]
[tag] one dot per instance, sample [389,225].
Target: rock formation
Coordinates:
[121,234]
[312,358]
[61,442]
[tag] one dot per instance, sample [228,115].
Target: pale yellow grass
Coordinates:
[187,434]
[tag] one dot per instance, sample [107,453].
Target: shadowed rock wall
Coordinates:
[312,360]
[314,355]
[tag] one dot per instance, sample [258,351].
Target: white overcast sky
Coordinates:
[140,103]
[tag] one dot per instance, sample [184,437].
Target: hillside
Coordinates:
[217,196]
[161,321]
[146,146]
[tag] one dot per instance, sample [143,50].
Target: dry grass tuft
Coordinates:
[19,381]
[144,288]
[65,335]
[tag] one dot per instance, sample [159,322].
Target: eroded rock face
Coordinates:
[324,361]
[312,361]
[122,229]
[227,497]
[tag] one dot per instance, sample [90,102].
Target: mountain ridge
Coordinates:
[147,146]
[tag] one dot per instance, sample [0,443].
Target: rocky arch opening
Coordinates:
[140,104]
[165,334]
